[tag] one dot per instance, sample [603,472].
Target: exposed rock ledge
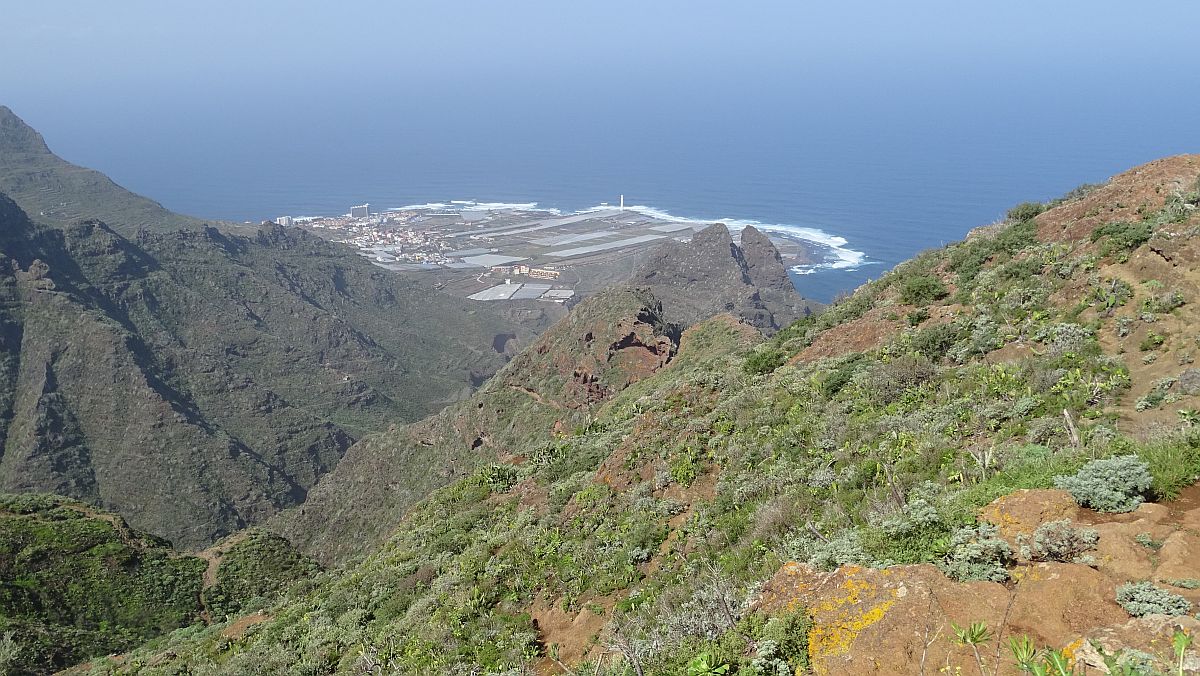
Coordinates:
[897,620]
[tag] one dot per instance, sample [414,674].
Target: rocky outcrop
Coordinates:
[1189,382]
[711,274]
[764,265]
[898,620]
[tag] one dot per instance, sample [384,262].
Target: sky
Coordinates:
[161,93]
[59,54]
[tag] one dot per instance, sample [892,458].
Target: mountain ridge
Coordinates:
[57,192]
[198,331]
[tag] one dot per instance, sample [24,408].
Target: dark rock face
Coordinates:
[711,274]
[198,382]
[763,264]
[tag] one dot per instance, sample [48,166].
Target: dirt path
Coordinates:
[212,557]
[537,397]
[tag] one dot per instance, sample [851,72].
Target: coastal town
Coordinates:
[500,252]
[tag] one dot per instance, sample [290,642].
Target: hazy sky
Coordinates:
[190,101]
[54,52]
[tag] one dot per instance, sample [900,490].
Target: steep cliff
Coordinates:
[711,274]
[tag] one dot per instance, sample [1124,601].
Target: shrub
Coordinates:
[1109,485]
[1152,341]
[888,381]
[936,341]
[1067,338]
[685,467]
[1059,541]
[1143,598]
[922,290]
[499,478]
[838,377]
[1164,303]
[977,553]
[843,548]
[1122,235]
[787,635]
[1025,211]
[1147,540]
[1110,294]
[1174,465]
[764,361]
[1185,583]
[918,316]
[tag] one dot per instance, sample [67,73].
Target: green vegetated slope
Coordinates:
[76,582]
[248,569]
[869,434]
[56,192]
[607,342]
[198,382]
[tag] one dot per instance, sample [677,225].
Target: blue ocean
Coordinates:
[880,169]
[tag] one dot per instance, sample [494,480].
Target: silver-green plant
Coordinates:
[1115,484]
[977,553]
[1059,541]
[1143,598]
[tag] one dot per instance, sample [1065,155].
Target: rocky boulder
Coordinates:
[711,274]
[898,620]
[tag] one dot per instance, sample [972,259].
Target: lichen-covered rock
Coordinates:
[894,620]
[1021,512]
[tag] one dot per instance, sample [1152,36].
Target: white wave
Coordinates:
[838,255]
[428,206]
[505,206]
[472,205]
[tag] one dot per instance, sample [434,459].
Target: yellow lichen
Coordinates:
[1070,650]
[840,619]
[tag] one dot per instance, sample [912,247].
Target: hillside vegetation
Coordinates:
[638,539]
[76,582]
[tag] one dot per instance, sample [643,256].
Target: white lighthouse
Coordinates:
[622,203]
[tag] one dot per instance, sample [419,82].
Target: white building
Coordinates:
[360,211]
[284,220]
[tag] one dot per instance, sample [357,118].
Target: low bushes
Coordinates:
[1143,598]
[922,290]
[977,553]
[1059,541]
[1115,484]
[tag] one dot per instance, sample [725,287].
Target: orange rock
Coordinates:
[1119,556]
[1021,512]
[897,620]
[1179,559]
